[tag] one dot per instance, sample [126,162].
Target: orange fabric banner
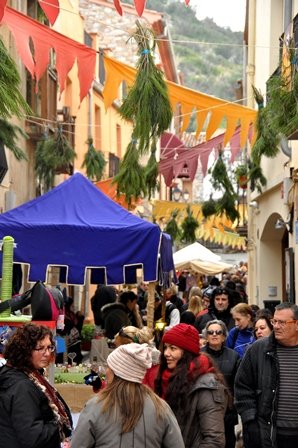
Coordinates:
[189,100]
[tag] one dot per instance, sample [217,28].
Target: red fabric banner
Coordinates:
[175,155]
[2,7]
[51,9]
[118,7]
[140,6]
[67,50]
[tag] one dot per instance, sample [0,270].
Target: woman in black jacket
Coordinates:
[32,413]
[227,361]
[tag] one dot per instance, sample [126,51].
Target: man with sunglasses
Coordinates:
[219,308]
[266,385]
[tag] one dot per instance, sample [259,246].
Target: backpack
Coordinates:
[46,303]
[169,309]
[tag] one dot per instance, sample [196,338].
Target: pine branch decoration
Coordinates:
[9,136]
[151,172]
[11,98]
[189,227]
[147,103]
[172,227]
[221,182]
[131,177]
[51,154]
[94,162]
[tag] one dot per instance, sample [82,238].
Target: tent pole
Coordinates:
[150,305]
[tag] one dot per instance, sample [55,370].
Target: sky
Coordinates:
[223,12]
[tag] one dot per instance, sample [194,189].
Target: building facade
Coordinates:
[272,217]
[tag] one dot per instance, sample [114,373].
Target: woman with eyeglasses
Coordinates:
[194,389]
[227,361]
[32,413]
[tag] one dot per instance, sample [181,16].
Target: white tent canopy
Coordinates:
[199,259]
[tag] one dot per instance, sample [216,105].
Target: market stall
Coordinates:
[199,259]
[78,228]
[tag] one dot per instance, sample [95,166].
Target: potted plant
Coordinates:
[241,174]
[54,155]
[87,335]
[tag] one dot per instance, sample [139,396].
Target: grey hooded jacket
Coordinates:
[96,430]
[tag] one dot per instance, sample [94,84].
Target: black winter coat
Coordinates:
[256,387]
[213,314]
[26,419]
[227,361]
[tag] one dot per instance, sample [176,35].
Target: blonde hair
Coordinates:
[133,334]
[125,400]
[173,289]
[195,304]
[244,309]
[195,291]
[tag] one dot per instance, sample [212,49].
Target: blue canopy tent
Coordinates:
[77,227]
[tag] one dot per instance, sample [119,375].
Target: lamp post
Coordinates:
[186,195]
[176,194]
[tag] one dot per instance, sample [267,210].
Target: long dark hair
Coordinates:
[188,370]
[180,383]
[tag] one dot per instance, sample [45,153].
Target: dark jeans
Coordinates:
[287,441]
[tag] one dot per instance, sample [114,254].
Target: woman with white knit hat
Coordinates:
[127,414]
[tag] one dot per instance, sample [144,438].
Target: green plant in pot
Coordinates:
[241,175]
[54,155]
[87,334]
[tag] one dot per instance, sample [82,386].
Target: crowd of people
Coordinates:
[219,360]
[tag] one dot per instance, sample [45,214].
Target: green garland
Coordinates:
[11,98]
[94,162]
[9,137]
[51,154]
[278,118]
[147,103]
[151,172]
[172,227]
[221,182]
[189,227]
[148,106]
[131,177]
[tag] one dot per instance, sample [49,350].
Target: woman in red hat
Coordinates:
[193,388]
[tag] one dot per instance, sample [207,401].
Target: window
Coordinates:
[118,136]
[114,163]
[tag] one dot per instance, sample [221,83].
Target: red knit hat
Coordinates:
[183,336]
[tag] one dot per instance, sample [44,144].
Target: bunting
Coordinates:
[189,100]
[174,155]
[51,9]
[218,229]
[67,50]
[139,5]
[2,7]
